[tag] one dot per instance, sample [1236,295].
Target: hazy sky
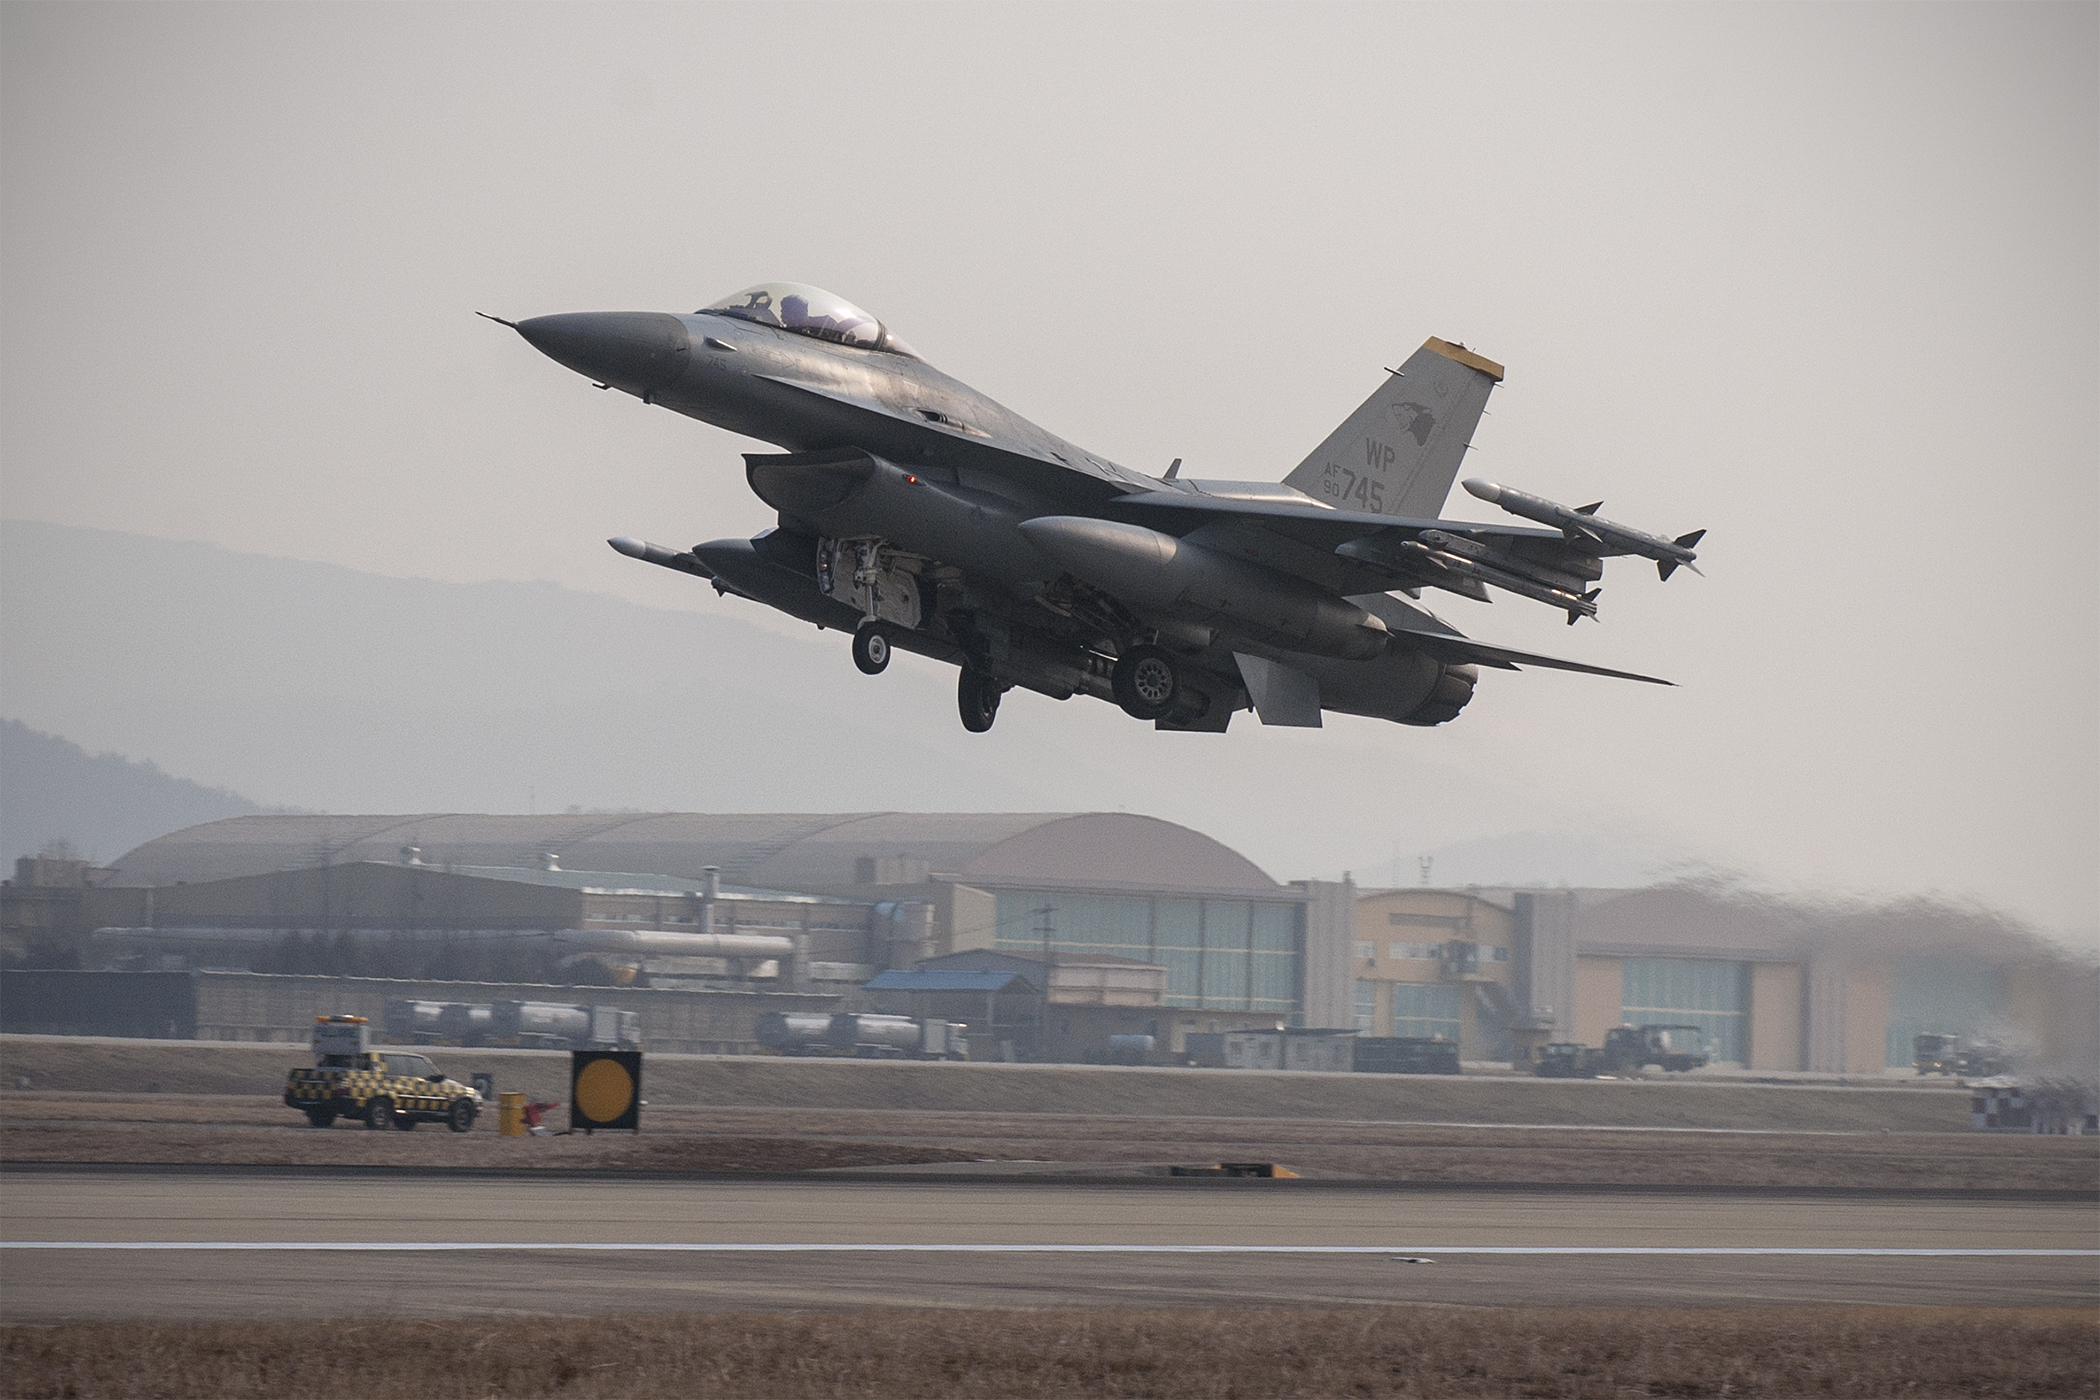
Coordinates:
[1819,279]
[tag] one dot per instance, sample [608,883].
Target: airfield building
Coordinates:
[830,902]
[1145,927]
[1773,986]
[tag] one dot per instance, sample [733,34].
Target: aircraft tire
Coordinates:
[871,648]
[977,697]
[1146,682]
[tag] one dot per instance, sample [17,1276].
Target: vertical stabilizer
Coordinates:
[1400,452]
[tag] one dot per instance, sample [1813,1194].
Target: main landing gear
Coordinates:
[977,697]
[976,694]
[1146,682]
[871,648]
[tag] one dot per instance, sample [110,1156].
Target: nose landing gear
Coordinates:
[871,648]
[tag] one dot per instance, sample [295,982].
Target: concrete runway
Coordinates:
[972,1246]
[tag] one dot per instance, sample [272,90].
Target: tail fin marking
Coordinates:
[1399,453]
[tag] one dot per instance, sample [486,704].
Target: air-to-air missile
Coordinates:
[1471,559]
[747,568]
[1585,531]
[657,554]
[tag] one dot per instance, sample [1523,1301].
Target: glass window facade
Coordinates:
[1426,1008]
[1220,954]
[1948,994]
[1698,992]
[1272,957]
[1366,1006]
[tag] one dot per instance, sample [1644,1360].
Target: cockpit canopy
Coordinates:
[806,310]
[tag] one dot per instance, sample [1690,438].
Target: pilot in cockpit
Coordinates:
[796,316]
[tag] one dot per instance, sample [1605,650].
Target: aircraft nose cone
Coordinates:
[639,351]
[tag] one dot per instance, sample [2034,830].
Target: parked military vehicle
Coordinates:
[1565,1059]
[1627,1050]
[1406,1054]
[1940,1052]
[1672,1048]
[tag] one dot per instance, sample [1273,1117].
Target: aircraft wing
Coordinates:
[1034,456]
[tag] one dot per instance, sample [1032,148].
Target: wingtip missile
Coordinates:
[656,554]
[1583,528]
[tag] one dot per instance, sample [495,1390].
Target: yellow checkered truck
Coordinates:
[380,1088]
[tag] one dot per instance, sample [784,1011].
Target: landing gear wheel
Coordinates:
[871,648]
[461,1118]
[379,1113]
[977,697]
[1145,682]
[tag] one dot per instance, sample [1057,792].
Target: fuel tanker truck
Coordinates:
[863,1035]
[535,1025]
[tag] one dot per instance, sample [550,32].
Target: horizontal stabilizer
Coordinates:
[1418,627]
[1449,646]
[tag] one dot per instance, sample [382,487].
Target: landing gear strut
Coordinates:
[1145,682]
[977,697]
[871,648]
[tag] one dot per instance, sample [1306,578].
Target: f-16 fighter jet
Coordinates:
[916,513]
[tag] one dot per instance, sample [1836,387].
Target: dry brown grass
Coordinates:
[251,1130]
[757,1081]
[1206,1353]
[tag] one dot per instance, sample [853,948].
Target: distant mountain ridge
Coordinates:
[318,685]
[348,691]
[98,805]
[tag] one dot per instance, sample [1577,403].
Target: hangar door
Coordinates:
[1712,995]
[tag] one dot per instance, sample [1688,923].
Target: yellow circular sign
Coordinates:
[604,1090]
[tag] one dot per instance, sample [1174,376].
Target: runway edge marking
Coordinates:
[467,1246]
